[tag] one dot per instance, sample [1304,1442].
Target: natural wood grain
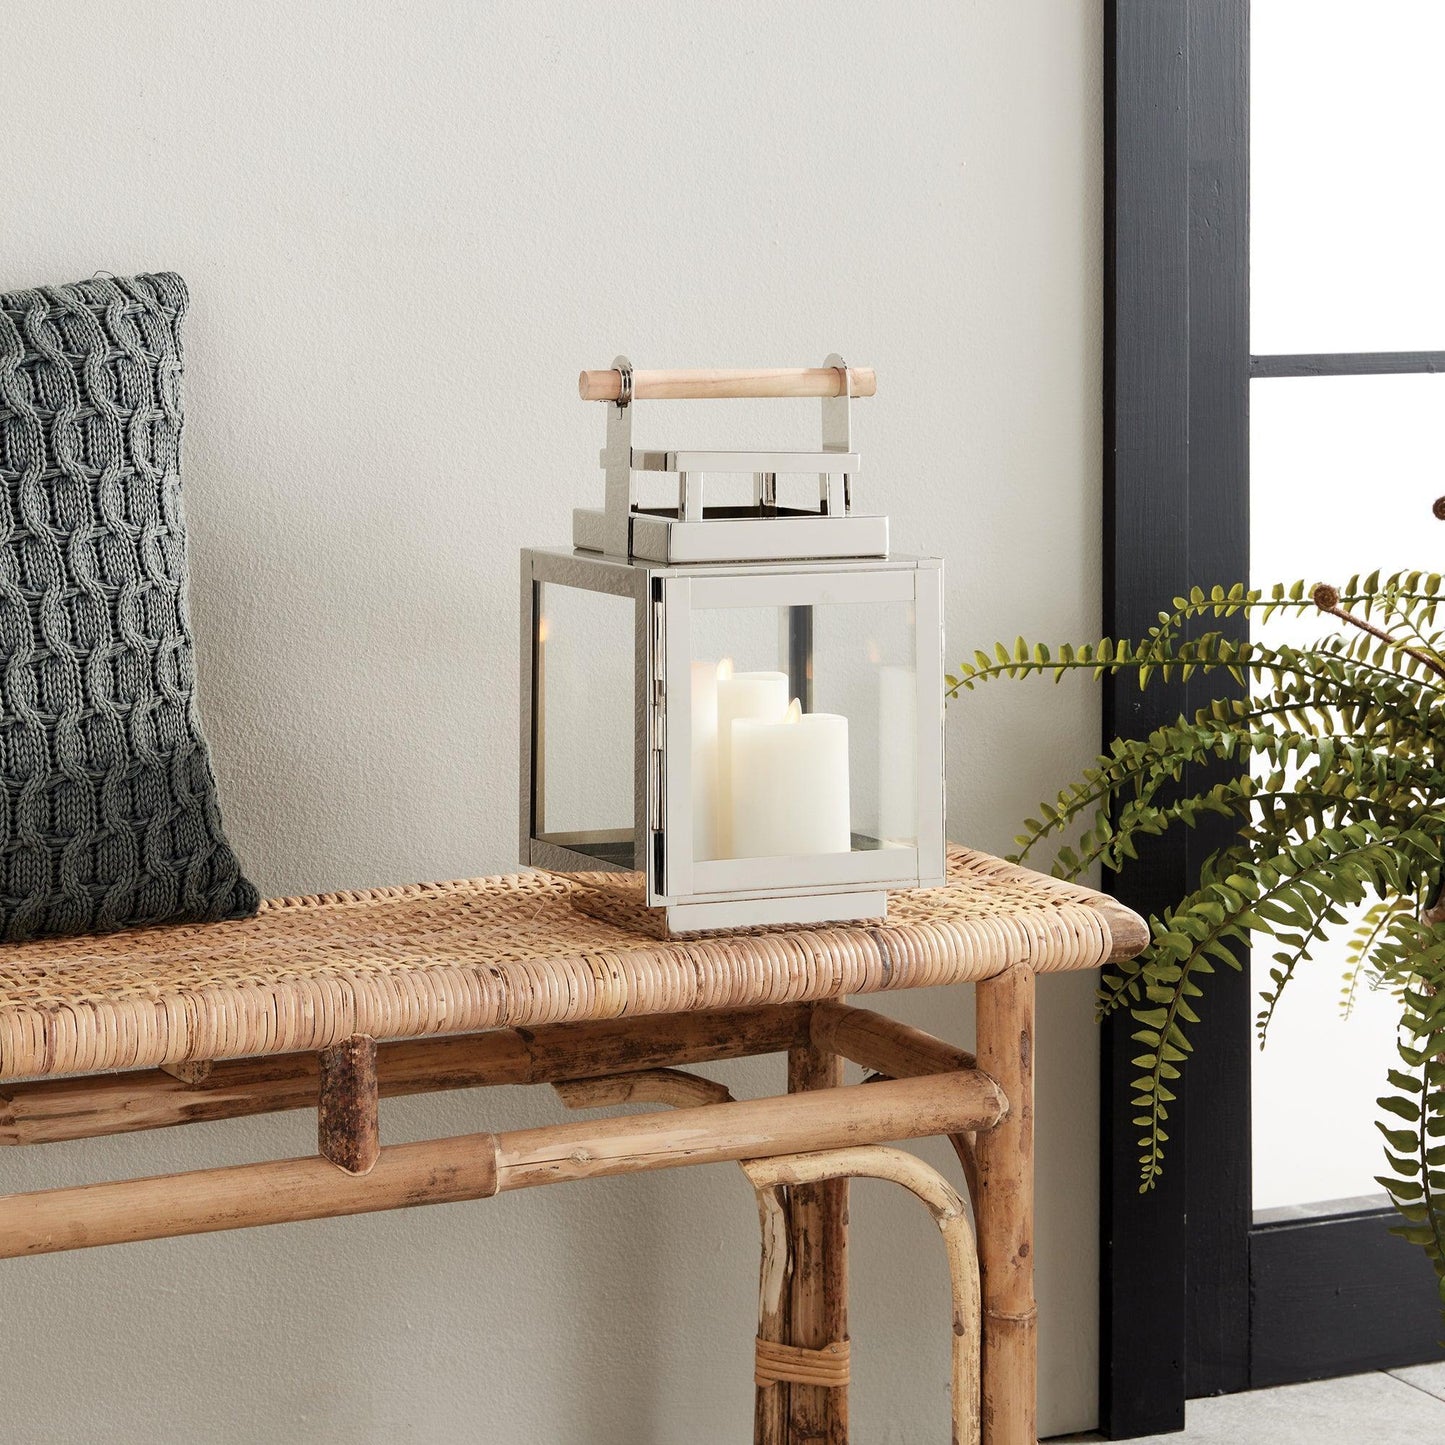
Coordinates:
[750,1129]
[49,1110]
[348,1126]
[437,1171]
[895,1050]
[651,1086]
[818,1230]
[710,383]
[882,1044]
[1005,1156]
[189,1071]
[770,1401]
[477,1165]
[949,1213]
[1129,932]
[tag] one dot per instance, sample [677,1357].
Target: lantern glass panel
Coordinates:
[835,778]
[584,753]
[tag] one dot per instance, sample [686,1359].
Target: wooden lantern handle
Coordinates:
[711,383]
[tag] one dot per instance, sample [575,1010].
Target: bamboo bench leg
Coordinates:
[787,1366]
[807,1224]
[797,1171]
[770,1406]
[1005,1163]
[818,1288]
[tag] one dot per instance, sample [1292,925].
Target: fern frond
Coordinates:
[1332,770]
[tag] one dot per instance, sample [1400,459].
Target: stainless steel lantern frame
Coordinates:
[673,563]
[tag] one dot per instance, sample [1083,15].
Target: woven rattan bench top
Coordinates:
[516,951]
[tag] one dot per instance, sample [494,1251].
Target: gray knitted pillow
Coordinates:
[108,813]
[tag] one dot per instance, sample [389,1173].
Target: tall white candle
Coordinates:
[790,785]
[704,760]
[741,695]
[897,755]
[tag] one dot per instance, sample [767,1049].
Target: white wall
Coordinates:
[405,228]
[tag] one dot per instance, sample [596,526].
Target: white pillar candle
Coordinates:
[897,756]
[756,695]
[704,760]
[790,785]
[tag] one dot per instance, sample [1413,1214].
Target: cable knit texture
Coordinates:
[109,815]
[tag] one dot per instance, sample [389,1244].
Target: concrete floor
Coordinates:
[1403,1407]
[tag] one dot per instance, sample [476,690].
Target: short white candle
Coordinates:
[704,759]
[790,785]
[897,755]
[756,695]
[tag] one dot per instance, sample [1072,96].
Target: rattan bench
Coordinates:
[334,1001]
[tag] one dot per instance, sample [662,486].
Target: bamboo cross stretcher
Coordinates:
[338,1001]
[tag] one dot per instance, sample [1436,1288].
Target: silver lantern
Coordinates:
[743,702]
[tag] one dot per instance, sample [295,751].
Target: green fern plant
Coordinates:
[1336,786]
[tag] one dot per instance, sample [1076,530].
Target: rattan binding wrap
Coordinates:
[500,952]
[775,1364]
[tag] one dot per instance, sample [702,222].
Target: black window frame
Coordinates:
[1196,1298]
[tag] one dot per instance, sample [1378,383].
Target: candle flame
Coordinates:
[795,711]
[542,629]
[725,669]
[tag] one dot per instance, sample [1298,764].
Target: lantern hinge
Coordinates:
[659,644]
[657,715]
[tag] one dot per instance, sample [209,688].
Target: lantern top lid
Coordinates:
[694,532]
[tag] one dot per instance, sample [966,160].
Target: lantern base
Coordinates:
[766,912]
